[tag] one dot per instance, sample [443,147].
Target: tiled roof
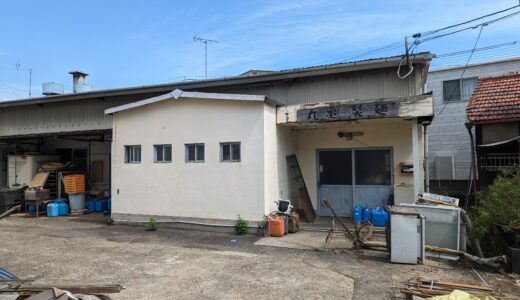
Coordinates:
[495,99]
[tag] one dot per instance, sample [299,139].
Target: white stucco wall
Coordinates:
[394,133]
[209,190]
[279,142]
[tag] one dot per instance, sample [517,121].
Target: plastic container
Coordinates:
[90,206]
[52,210]
[285,224]
[379,217]
[367,213]
[109,204]
[104,203]
[99,205]
[31,208]
[276,226]
[77,201]
[63,209]
[357,214]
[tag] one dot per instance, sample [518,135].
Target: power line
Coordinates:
[418,35]
[462,74]
[468,28]
[475,50]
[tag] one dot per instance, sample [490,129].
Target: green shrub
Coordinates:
[152,224]
[241,226]
[498,213]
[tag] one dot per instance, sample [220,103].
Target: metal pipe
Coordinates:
[469,127]
[426,159]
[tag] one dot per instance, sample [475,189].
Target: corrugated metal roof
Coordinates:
[196,95]
[342,67]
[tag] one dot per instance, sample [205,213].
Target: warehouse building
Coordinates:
[74,128]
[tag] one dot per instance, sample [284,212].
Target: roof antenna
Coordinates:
[205,42]
[27,68]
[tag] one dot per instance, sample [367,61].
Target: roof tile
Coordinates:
[495,99]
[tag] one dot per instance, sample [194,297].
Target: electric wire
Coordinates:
[462,74]
[417,35]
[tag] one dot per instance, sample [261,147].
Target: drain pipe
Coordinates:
[469,127]
[426,157]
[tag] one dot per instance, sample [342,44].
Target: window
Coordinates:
[459,89]
[133,154]
[162,153]
[194,153]
[373,167]
[230,152]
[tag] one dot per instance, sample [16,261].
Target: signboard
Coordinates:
[349,112]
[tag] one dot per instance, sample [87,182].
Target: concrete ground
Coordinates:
[173,263]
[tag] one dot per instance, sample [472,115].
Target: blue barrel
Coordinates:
[357,214]
[31,209]
[90,205]
[104,204]
[63,209]
[52,210]
[285,224]
[367,213]
[109,204]
[98,205]
[379,216]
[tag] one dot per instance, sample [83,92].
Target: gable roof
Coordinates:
[422,58]
[177,94]
[495,99]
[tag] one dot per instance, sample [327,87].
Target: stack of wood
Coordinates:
[430,288]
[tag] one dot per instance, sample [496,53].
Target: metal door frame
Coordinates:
[353,157]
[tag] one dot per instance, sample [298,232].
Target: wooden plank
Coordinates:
[75,289]
[378,109]
[39,180]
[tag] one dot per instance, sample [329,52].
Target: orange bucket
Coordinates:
[276,225]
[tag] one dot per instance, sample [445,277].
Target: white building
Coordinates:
[187,156]
[448,139]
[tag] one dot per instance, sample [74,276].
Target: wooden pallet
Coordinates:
[39,180]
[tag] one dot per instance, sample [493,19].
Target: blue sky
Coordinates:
[129,43]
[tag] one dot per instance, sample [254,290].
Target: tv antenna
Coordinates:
[205,42]
[26,68]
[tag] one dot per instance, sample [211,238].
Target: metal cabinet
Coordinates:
[405,236]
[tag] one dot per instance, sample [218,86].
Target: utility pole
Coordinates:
[205,42]
[27,68]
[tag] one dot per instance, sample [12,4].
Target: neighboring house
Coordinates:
[494,109]
[75,127]
[208,157]
[448,139]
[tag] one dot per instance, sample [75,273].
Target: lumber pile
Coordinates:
[430,288]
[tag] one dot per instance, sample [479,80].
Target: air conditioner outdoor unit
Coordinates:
[445,167]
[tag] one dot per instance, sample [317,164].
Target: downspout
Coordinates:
[426,158]
[469,127]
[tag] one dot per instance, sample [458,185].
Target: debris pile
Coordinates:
[431,288]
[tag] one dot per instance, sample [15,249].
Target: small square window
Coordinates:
[162,153]
[230,152]
[194,153]
[133,154]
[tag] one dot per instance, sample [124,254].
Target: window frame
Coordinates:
[196,147]
[163,146]
[231,158]
[129,148]
[460,87]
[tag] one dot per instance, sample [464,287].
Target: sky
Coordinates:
[132,43]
